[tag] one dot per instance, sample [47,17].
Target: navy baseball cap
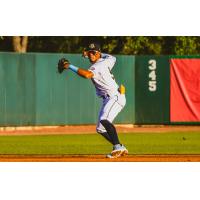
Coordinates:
[94,47]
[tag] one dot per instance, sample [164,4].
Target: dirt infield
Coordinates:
[90,129]
[99,158]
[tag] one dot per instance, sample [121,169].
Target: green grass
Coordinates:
[137,143]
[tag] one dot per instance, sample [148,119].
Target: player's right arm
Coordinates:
[110,60]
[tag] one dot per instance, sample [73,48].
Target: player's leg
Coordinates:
[111,130]
[109,111]
[118,149]
[100,128]
[102,131]
[105,126]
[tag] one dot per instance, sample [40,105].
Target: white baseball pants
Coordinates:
[110,109]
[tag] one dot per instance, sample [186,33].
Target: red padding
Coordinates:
[185,90]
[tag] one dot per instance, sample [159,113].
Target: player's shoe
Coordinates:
[109,156]
[118,150]
[124,151]
[115,156]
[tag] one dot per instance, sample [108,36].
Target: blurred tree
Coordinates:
[186,46]
[168,45]
[6,43]
[20,43]
[142,45]
[128,45]
[61,44]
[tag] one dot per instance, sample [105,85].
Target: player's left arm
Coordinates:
[80,71]
[84,73]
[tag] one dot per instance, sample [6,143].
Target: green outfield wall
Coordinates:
[152,90]
[33,93]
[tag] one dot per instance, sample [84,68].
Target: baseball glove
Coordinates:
[63,64]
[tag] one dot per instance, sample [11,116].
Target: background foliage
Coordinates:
[128,45]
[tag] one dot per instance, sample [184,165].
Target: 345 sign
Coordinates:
[152,75]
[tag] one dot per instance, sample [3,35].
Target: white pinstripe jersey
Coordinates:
[103,79]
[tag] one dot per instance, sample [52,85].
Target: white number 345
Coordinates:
[152,75]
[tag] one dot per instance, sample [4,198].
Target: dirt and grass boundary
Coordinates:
[90,129]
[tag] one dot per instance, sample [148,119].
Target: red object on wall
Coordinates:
[185,90]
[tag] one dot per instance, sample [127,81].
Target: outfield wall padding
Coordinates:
[33,93]
[152,90]
[185,90]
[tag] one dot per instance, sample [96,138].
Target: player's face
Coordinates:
[93,56]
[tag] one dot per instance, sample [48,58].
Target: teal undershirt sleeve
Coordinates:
[73,68]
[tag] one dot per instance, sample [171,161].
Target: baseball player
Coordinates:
[113,96]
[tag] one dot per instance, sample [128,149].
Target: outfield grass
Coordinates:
[137,143]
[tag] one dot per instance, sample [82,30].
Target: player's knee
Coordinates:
[106,124]
[99,130]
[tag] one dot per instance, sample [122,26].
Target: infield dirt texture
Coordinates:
[82,144]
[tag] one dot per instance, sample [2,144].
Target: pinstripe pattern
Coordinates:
[110,109]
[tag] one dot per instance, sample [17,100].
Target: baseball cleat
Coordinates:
[124,151]
[110,156]
[116,153]
[119,150]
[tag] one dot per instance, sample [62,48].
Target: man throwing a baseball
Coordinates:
[113,96]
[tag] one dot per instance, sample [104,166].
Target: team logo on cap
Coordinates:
[92,46]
